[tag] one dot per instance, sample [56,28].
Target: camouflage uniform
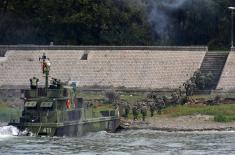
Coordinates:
[160,104]
[126,109]
[181,91]
[174,98]
[209,79]
[189,87]
[143,111]
[152,107]
[135,112]
[201,83]
[197,75]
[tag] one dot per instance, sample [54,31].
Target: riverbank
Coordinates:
[196,117]
[181,123]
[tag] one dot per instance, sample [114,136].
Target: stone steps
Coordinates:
[214,62]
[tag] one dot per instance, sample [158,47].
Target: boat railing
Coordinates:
[107,113]
[14,121]
[83,113]
[41,92]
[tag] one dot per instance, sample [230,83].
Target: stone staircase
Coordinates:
[214,62]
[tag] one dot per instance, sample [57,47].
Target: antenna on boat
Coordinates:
[45,68]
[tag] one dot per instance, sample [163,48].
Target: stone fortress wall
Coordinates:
[131,67]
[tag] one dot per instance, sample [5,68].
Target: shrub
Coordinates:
[223,118]
[220,118]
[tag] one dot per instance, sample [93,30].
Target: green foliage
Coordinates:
[221,113]
[114,22]
[223,118]
[85,22]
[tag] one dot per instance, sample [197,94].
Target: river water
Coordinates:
[137,142]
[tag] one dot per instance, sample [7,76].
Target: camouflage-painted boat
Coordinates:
[56,110]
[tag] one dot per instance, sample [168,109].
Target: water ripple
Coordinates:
[135,142]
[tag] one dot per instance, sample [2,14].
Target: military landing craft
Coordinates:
[57,110]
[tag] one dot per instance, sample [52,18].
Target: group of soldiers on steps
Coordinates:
[198,81]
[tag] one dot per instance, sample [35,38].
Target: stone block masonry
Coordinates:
[227,79]
[130,67]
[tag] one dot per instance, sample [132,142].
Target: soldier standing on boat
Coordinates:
[34,83]
[56,83]
[45,63]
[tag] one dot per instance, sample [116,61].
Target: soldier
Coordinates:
[201,83]
[149,95]
[174,98]
[126,109]
[185,84]
[209,79]
[197,75]
[217,99]
[139,105]
[183,100]
[143,111]
[151,107]
[53,83]
[192,79]
[135,112]
[59,84]
[45,63]
[180,91]
[160,104]
[154,95]
[34,83]
[189,87]
[120,107]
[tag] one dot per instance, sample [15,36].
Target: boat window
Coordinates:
[30,104]
[46,104]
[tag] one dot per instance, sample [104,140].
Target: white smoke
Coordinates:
[158,12]
[8,131]
[173,4]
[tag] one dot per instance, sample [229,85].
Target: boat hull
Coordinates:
[70,129]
